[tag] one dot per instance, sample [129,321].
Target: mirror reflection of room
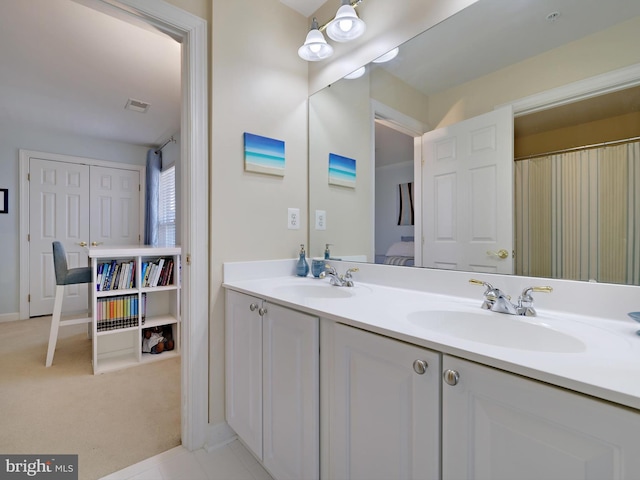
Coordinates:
[573,162]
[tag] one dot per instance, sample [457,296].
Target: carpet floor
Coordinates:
[110,421]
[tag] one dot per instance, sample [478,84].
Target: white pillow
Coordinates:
[401,249]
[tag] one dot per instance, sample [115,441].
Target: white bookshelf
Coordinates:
[121,314]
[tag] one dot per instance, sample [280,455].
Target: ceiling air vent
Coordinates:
[137,105]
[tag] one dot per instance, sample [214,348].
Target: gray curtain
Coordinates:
[154,166]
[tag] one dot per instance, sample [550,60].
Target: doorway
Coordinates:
[191,32]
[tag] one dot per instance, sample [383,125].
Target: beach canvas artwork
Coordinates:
[342,171]
[263,155]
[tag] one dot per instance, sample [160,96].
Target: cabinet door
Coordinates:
[500,426]
[384,417]
[291,393]
[243,355]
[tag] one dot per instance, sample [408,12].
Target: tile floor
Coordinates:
[228,462]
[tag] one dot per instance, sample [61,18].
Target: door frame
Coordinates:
[615,80]
[191,31]
[392,118]
[24,187]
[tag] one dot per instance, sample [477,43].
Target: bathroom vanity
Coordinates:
[377,381]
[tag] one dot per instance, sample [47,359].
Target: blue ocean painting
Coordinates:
[263,155]
[342,171]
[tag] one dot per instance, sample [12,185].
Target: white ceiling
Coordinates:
[307,7]
[69,68]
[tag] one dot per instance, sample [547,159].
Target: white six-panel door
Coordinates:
[78,205]
[467,194]
[59,210]
[115,206]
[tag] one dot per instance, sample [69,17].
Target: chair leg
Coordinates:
[55,324]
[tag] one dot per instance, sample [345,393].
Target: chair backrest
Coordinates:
[64,274]
[60,263]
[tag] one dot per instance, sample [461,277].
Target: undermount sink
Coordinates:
[497,329]
[323,290]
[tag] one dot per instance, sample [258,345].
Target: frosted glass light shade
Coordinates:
[390,55]
[356,74]
[346,25]
[315,47]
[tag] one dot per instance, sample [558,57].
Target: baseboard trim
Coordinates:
[9,317]
[218,436]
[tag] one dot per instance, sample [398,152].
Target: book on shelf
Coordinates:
[158,273]
[115,276]
[117,312]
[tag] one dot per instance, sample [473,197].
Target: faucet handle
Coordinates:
[525,302]
[491,294]
[545,289]
[350,271]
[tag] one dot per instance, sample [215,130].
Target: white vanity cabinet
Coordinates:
[381,407]
[272,384]
[497,425]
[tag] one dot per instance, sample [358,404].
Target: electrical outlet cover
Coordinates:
[321,220]
[293,219]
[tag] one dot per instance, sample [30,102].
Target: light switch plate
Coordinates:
[321,220]
[293,219]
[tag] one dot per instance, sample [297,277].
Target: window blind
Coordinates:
[167,208]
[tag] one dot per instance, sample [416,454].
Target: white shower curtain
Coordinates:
[576,215]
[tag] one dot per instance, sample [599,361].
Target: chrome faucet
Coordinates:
[525,302]
[337,280]
[497,301]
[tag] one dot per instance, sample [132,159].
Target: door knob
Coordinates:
[420,367]
[502,253]
[452,377]
[95,244]
[262,311]
[83,244]
[253,307]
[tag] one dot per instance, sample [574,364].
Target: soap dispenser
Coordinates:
[327,253]
[302,267]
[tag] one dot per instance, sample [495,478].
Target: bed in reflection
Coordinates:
[399,253]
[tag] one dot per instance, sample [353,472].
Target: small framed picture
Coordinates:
[4,200]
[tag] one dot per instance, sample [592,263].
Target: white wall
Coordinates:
[12,139]
[387,200]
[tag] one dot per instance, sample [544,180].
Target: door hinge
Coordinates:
[139,188]
[188,259]
[28,177]
[28,298]
[28,237]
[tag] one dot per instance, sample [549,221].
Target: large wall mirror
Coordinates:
[537,106]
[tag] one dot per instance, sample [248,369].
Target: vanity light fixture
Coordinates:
[355,74]
[346,25]
[315,47]
[387,57]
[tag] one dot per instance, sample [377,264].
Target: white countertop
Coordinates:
[602,358]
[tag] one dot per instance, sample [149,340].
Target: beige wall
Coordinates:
[615,128]
[337,115]
[599,53]
[259,85]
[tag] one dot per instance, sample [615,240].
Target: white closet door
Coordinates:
[467,194]
[115,206]
[59,210]
[75,203]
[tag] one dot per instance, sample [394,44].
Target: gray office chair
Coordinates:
[64,276]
